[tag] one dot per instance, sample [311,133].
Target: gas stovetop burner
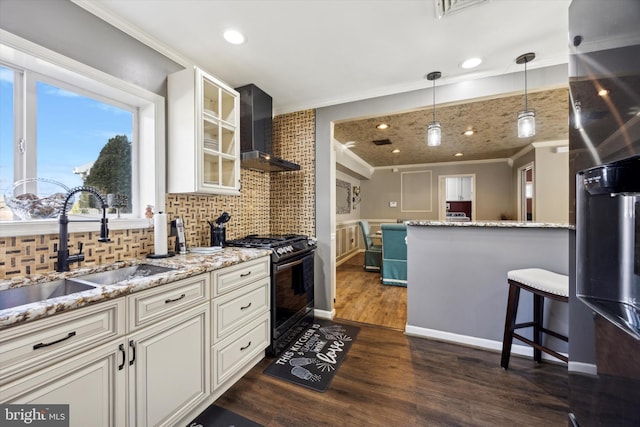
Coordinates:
[267,240]
[283,246]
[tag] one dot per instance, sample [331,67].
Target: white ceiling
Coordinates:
[314,53]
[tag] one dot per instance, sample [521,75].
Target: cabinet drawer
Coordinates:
[41,343]
[231,354]
[161,302]
[234,309]
[230,278]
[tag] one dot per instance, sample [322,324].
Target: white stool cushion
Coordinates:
[544,280]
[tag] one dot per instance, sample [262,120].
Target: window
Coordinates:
[79,140]
[69,123]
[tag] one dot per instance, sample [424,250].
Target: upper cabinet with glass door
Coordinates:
[204,139]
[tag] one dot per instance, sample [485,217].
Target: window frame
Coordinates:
[150,182]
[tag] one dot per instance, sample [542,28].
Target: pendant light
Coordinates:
[526,118]
[434,131]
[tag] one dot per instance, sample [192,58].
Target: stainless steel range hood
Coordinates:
[256,132]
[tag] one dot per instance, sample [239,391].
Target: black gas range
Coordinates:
[292,283]
[283,246]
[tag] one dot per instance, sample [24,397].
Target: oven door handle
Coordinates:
[289,264]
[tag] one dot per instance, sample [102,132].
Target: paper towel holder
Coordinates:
[157,256]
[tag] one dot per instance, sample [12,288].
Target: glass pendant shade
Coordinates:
[434,134]
[526,124]
[434,131]
[526,118]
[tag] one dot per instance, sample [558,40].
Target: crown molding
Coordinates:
[554,143]
[462,162]
[127,27]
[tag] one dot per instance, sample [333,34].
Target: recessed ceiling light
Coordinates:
[234,36]
[603,92]
[469,132]
[470,63]
[395,151]
[383,126]
[458,155]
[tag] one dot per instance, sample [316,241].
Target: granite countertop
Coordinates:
[185,266]
[500,224]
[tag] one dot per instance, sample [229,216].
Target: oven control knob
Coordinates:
[280,251]
[289,248]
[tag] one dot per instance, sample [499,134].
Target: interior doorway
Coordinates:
[457,197]
[526,191]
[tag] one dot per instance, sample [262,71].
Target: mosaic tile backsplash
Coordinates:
[270,203]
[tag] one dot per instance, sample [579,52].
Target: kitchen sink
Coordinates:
[113,277]
[40,292]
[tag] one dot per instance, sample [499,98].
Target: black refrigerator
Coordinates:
[604,206]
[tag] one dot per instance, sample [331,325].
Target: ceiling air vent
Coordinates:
[447,7]
[382,142]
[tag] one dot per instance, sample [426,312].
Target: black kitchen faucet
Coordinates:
[64,259]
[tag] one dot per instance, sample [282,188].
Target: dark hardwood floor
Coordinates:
[390,379]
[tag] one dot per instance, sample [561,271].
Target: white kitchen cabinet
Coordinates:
[238,352]
[241,316]
[168,368]
[153,358]
[235,309]
[36,345]
[153,375]
[93,384]
[458,188]
[203,153]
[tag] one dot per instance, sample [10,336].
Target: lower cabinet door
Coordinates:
[93,384]
[168,368]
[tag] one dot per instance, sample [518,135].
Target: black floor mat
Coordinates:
[314,357]
[216,416]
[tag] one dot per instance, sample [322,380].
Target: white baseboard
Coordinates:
[324,314]
[522,350]
[348,257]
[583,368]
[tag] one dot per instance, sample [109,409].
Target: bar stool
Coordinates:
[542,284]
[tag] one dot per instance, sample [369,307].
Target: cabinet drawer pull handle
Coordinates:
[245,307]
[124,357]
[169,300]
[42,344]
[245,347]
[245,274]
[132,345]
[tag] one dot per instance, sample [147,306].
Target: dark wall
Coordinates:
[66,28]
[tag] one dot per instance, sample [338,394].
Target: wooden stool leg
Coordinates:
[538,316]
[509,323]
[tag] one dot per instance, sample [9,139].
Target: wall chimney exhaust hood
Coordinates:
[256,132]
